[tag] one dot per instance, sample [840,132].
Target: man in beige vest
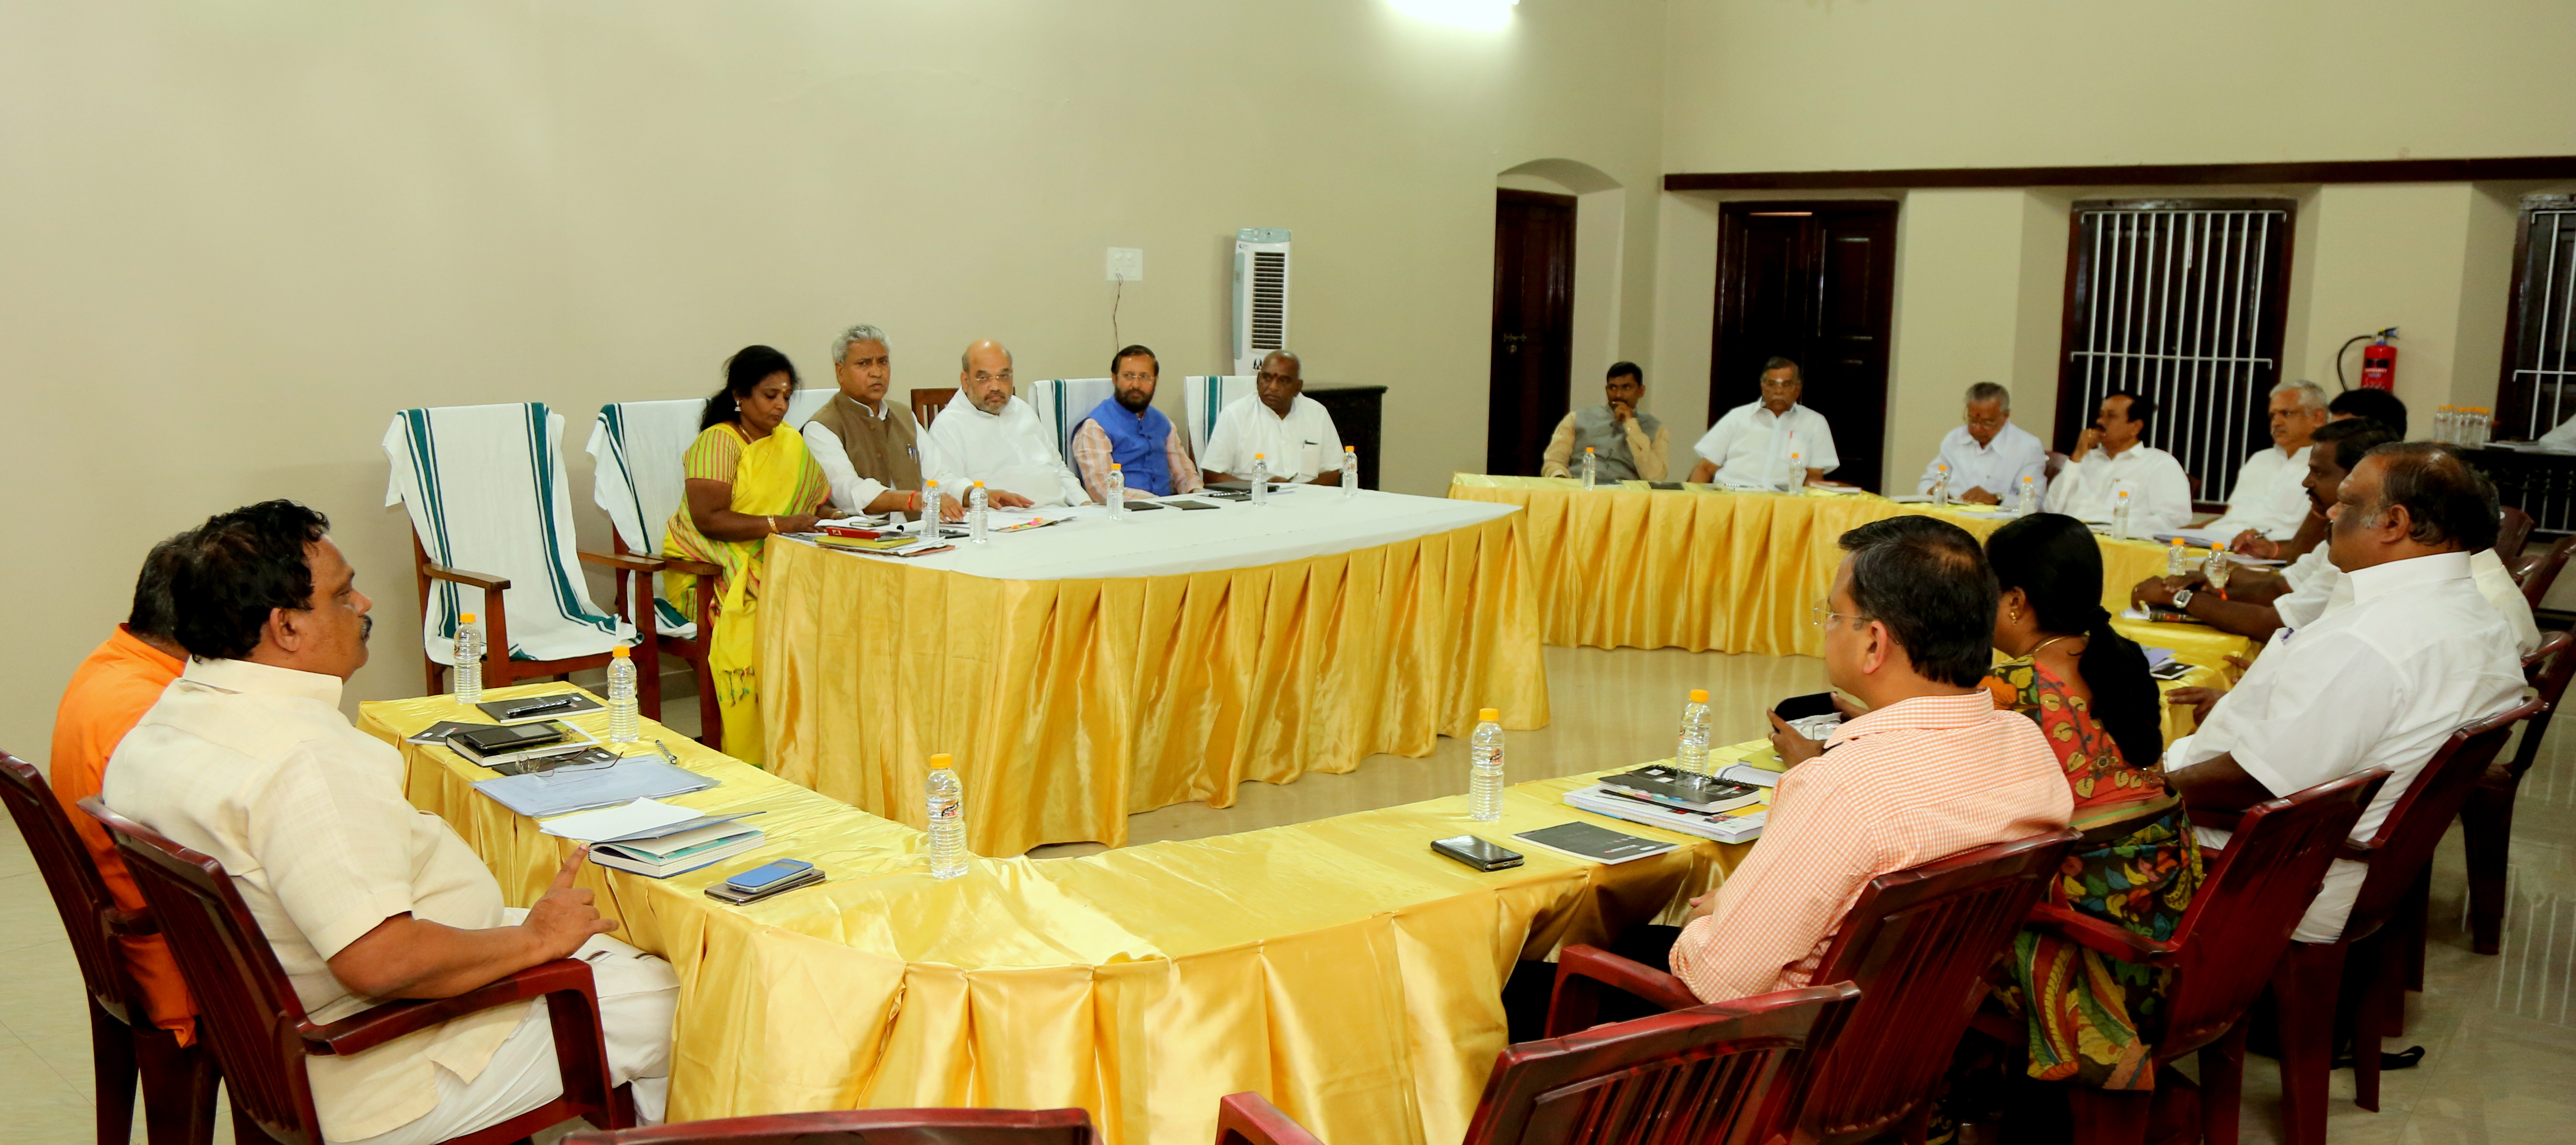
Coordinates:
[870,451]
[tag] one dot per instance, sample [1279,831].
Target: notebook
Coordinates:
[544,794]
[1592,843]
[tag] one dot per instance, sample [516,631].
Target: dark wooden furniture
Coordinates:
[2540,484]
[1917,942]
[868,1127]
[1813,281]
[2532,167]
[926,404]
[2533,380]
[178,1081]
[1358,414]
[1728,1074]
[2221,954]
[2540,570]
[1532,351]
[2486,820]
[500,669]
[255,1024]
[2513,530]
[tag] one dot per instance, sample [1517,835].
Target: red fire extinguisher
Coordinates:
[2378,361]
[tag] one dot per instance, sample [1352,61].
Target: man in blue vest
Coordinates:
[1127,430]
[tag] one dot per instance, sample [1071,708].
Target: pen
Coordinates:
[543,706]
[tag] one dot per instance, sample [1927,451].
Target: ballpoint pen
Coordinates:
[541,706]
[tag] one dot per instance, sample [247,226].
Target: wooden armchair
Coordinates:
[868,1127]
[2486,820]
[926,404]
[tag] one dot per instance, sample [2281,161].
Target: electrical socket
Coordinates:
[1126,264]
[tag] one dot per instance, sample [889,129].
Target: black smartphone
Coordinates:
[1189,504]
[1664,485]
[1476,853]
[2170,670]
[1797,708]
[1143,506]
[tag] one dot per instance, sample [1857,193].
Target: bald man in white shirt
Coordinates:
[986,433]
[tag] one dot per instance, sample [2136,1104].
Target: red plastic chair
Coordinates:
[2309,975]
[2221,953]
[178,1081]
[253,1020]
[2486,820]
[1726,1074]
[1917,942]
[868,1127]
[2541,571]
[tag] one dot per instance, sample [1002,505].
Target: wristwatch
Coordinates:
[2182,600]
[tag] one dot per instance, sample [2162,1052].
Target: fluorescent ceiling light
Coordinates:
[1478,15]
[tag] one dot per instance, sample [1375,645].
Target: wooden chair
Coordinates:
[926,404]
[2513,530]
[499,669]
[2540,571]
[1728,1074]
[637,450]
[2307,980]
[178,1081]
[256,1026]
[868,1127]
[2057,463]
[1917,942]
[2486,820]
[2221,954]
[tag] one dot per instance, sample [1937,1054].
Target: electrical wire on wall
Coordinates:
[1114,295]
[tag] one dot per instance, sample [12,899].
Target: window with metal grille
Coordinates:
[2180,301]
[2539,351]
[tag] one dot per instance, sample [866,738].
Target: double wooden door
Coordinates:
[1813,282]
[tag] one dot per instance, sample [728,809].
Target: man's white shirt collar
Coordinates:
[239,676]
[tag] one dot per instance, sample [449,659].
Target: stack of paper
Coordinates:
[657,839]
[543,794]
[1740,825]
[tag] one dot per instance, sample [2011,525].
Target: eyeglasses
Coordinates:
[1133,376]
[981,376]
[1823,610]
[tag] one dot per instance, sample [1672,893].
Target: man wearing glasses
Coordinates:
[1989,455]
[987,434]
[1293,433]
[1774,443]
[1126,428]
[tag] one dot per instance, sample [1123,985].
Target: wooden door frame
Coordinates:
[1728,225]
[2517,297]
[1573,205]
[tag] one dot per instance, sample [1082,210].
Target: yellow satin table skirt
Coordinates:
[1338,966]
[1071,704]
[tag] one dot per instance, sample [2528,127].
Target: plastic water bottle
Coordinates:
[1797,472]
[2120,515]
[1591,469]
[2174,558]
[1350,471]
[976,500]
[468,671]
[1117,492]
[1485,777]
[927,528]
[2216,568]
[621,695]
[1260,479]
[947,817]
[1692,756]
[1941,486]
[2028,502]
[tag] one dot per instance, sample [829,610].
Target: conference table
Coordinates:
[1089,669]
[1338,966]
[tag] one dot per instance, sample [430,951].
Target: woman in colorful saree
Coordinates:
[2090,1017]
[746,481]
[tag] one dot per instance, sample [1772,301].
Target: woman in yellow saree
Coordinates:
[748,477]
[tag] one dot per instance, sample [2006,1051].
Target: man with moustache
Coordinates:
[986,433]
[1126,430]
[869,451]
[363,898]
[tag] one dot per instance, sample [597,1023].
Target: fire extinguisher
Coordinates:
[2378,361]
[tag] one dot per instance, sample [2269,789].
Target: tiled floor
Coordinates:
[2501,1031]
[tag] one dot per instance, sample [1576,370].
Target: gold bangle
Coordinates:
[773,524]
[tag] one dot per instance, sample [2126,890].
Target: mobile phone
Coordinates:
[2170,670]
[1476,853]
[723,892]
[760,877]
[1142,506]
[1797,708]
[1189,505]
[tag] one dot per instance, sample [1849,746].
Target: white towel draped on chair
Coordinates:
[803,404]
[1061,402]
[486,492]
[635,449]
[1207,395]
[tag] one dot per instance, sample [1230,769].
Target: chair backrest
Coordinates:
[1708,1075]
[2057,463]
[486,491]
[1205,396]
[806,401]
[2547,670]
[926,404]
[1061,402]
[636,449]
[2540,572]
[2423,812]
[1917,942]
[2513,529]
[2241,920]
[250,1013]
[867,1127]
[80,894]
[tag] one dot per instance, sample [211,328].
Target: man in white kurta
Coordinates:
[1293,434]
[1987,455]
[2109,459]
[987,434]
[2407,655]
[2270,497]
[1774,443]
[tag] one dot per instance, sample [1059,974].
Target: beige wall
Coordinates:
[240,236]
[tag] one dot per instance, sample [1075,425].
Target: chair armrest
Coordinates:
[693,568]
[484,581]
[360,1032]
[2357,852]
[1250,1119]
[2094,934]
[1575,1002]
[123,923]
[625,561]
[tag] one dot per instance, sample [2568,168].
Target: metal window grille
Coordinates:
[2179,302]
[2540,366]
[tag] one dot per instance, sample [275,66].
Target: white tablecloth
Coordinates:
[1299,522]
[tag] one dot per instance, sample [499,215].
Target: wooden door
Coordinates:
[1813,282]
[1533,347]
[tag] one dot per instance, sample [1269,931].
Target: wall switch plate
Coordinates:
[1126,264]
